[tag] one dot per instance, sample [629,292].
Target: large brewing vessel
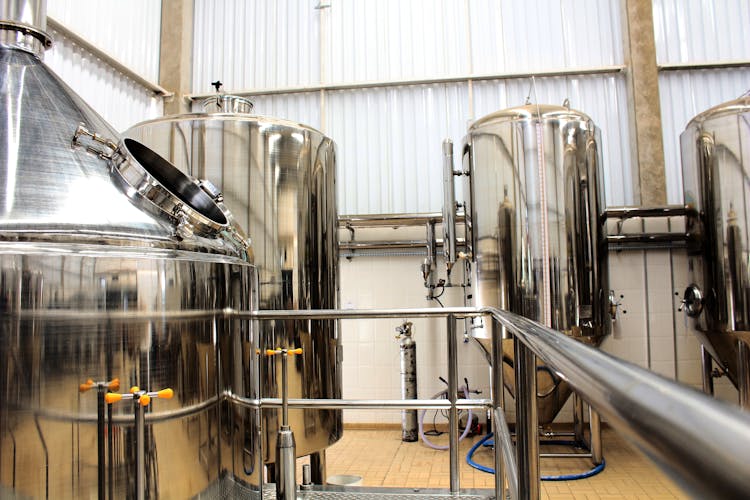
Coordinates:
[278,179]
[114,270]
[532,204]
[715,150]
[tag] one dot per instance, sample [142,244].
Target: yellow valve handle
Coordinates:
[112,397]
[86,386]
[273,352]
[144,400]
[134,389]
[165,394]
[114,384]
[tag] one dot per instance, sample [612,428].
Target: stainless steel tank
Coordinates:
[114,267]
[532,207]
[715,150]
[278,179]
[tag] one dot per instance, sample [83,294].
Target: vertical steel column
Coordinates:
[743,373]
[595,427]
[497,404]
[706,369]
[140,444]
[318,467]
[577,418]
[527,435]
[100,390]
[453,397]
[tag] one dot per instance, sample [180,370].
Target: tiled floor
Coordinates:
[382,459]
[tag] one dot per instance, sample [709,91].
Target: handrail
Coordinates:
[669,422]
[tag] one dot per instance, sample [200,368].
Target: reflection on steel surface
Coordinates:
[533,228]
[92,286]
[715,151]
[278,180]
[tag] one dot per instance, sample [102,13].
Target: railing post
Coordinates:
[706,369]
[527,435]
[743,373]
[497,403]
[453,397]
[595,427]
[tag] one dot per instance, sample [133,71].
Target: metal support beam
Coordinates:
[527,435]
[453,397]
[176,53]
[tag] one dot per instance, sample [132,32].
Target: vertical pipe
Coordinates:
[527,436]
[706,369]
[449,207]
[595,428]
[452,397]
[284,392]
[140,459]
[577,418]
[100,389]
[317,467]
[743,373]
[497,404]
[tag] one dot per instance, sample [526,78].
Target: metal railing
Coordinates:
[701,443]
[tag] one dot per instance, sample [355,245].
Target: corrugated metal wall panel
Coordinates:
[128,31]
[256,44]
[389,145]
[684,94]
[533,35]
[395,40]
[695,31]
[699,30]
[603,98]
[121,101]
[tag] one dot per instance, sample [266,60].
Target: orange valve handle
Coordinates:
[112,397]
[165,394]
[144,400]
[86,386]
[134,389]
[114,384]
[295,351]
[272,352]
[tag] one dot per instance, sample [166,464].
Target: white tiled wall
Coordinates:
[649,330]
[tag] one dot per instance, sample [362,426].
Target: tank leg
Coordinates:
[318,466]
[595,428]
[707,368]
[743,373]
[577,418]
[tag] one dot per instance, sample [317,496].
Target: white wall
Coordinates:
[129,32]
[695,31]
[649,330]
[389,136]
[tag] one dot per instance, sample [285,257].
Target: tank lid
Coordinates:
[733,107]
[529,112]
[226,103]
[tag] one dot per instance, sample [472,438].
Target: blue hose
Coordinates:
[565,477]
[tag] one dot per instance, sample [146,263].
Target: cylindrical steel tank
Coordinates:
[278,179]
[715,150]
[532,204]
[114,270]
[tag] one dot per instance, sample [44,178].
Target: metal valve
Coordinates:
[112,385]
[141,397]
[692,301]
[82,131]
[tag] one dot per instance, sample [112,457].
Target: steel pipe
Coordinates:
[656,211]
[363,404]
[707,371]
[391,220]
[666,420]
[453,398]
[506,447]
[743,373]
[527,435]
[497,386]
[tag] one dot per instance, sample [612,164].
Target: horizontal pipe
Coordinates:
[656,211]
[391,220]
[424,312]
[646,238]
[391,244]
[372,404]
[509,454]
[743,63]
[107,59]
[565,455]
[599,70]
[703,444]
